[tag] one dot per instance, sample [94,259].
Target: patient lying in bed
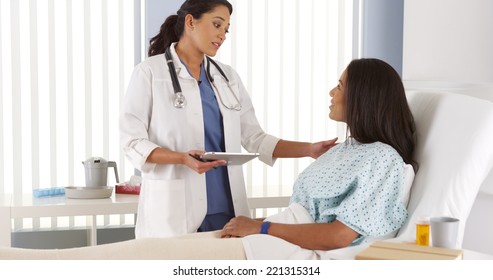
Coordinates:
[353,192]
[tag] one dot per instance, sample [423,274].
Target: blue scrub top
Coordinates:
[219,202]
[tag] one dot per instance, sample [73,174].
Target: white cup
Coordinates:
[444,232]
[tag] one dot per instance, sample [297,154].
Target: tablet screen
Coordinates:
[231,158]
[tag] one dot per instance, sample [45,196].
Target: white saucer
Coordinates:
[85,192]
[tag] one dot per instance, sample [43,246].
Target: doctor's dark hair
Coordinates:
[377,108]
[172,28]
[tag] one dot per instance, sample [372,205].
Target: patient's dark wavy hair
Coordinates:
[377,108]
[172,28]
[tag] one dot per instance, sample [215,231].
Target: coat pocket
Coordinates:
[163,208]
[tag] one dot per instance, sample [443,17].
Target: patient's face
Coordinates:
[338,102]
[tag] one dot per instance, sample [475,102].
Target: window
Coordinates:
[289,54]
[65,65]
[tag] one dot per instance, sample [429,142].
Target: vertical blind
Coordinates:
[289,54]
[64,67]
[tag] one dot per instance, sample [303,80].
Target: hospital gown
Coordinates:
[358,184]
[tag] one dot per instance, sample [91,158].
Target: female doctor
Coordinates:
[179,103]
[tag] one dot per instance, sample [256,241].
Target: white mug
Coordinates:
[444,232]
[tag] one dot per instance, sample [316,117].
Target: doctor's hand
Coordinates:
[240,226]
[193,161]
[319,148]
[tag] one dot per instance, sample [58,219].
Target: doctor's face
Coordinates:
[210,30]
[338,102]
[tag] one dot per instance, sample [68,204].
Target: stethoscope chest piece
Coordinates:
[180,101]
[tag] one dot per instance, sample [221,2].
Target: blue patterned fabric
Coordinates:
[358,184]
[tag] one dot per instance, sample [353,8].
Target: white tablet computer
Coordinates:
[231,158]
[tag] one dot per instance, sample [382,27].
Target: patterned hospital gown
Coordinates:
[358,184]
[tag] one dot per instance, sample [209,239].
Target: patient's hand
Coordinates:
[240,226]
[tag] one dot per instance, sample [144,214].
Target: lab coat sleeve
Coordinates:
[253,137]
[135,119]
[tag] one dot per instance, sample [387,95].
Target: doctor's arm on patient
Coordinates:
[291,149]
[283,149]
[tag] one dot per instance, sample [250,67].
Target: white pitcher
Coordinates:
[97,172]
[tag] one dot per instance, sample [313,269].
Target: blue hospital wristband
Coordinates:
[264,228]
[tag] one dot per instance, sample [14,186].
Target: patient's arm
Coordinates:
[325,236]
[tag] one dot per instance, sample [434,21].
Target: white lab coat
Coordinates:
[173,198]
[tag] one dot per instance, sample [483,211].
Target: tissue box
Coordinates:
[127,189]
[381,250]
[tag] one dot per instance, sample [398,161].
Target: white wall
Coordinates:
[448,40]
[156,13]
[451,41]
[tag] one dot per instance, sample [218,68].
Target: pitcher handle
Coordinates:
[113,164]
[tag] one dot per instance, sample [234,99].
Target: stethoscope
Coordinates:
[180,101]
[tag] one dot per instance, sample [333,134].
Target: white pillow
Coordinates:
[408,182]
[454,153]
